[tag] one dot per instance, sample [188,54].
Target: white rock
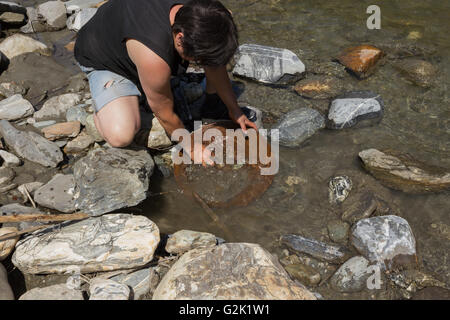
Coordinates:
[79,19]
[9,160]
[185,240]
[56,107]
[266,64]
[53,13]
[382,239]
[55,292]
[6,246]
[105,289]
[106,243]
[157,137]
[15,107]
[18,44]
[352,276]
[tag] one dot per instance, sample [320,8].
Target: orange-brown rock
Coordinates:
[360,60]
[319,87]
[70,46]
[62,130]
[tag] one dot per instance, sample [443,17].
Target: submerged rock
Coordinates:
[316,249]
[387,240]
[185,240]
[359,108]
[229,271]
[18,44]
[361,59]
[105,289]
[57,194]
[15,107]
[352,276]
[338,189]
[319,87]
[338,230]
[303,273]
[363,208]
[403,173]
[55,292]
[110,179]
[6,292]
[62,130]
[53,13]
[56,107]
[419,72]
[31,146]
[267,64]
[110,242]
[79,19]
[297,126]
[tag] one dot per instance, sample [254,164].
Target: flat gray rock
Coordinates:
[361,108]
[112,178]
[231,271]
[31,146]
[15,107]
[57,194]
[266,64]
[106,243]
[185,240]
[387,240]
[299,125]
[6,292]
[56,107]
[55,292]
[80,18]
[352,276]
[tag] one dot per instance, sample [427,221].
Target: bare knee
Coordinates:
[119,136]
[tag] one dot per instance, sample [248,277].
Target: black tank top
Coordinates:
[101,45]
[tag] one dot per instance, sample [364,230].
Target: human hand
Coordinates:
[241,119]
[200,153]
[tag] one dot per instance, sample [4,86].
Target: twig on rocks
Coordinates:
[29,197]
[44,217]
[19,233]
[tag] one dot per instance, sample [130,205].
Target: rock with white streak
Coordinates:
[106,243]
[56,107]
[339,188]
[402,172]
[231,271]
[387,240]
[359,108]
[185,240]
[267,64]
[53,13]
[105,289]
[31,146]
[352,276]
[15,107]
[57,194]
[108,179]
[55,292]
[18,44]
[79,19]
[7,246]
[6,292]
[9,160]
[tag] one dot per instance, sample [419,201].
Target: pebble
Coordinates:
[15,108]
[79,144]
[91,129]
[12,18]
[338,231]
[77,113]
[420,72]
[6,292]
[362,208]
[361,59]
[319,87]
[185,240]
[139,281]
[339,188]
[42,124]
[79,19]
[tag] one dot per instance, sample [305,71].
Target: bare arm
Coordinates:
[154,75]
[218,77]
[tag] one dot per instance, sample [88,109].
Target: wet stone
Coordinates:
[361,59]
[303,273]
[110,179]
[57,194]
[106,243]
[316,249]
[362,208]
[62,130]
[79,19]
[212,273]
[402,172]
[56,107]
[31,146]
[352,276]
[185,240]
[18,44]
[53,13]
[387,240]
[267,64]
[359,108]
[299,125]
[420,72]
[338,189]
[319,87]
[105,289]
[338,231]
[54,292]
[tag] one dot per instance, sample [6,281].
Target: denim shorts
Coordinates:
[119,86]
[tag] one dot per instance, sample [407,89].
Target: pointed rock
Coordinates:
[361,60]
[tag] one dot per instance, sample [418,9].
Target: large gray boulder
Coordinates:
[299,125]
[15,107]
[30,145]
[230,271]
[361,108]
[267,64]
[387,240]
[110,179]
[110,242]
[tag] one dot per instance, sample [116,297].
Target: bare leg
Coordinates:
[119,121]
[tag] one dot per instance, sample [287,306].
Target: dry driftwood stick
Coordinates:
[19,233]
[44,217]
[212,215]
